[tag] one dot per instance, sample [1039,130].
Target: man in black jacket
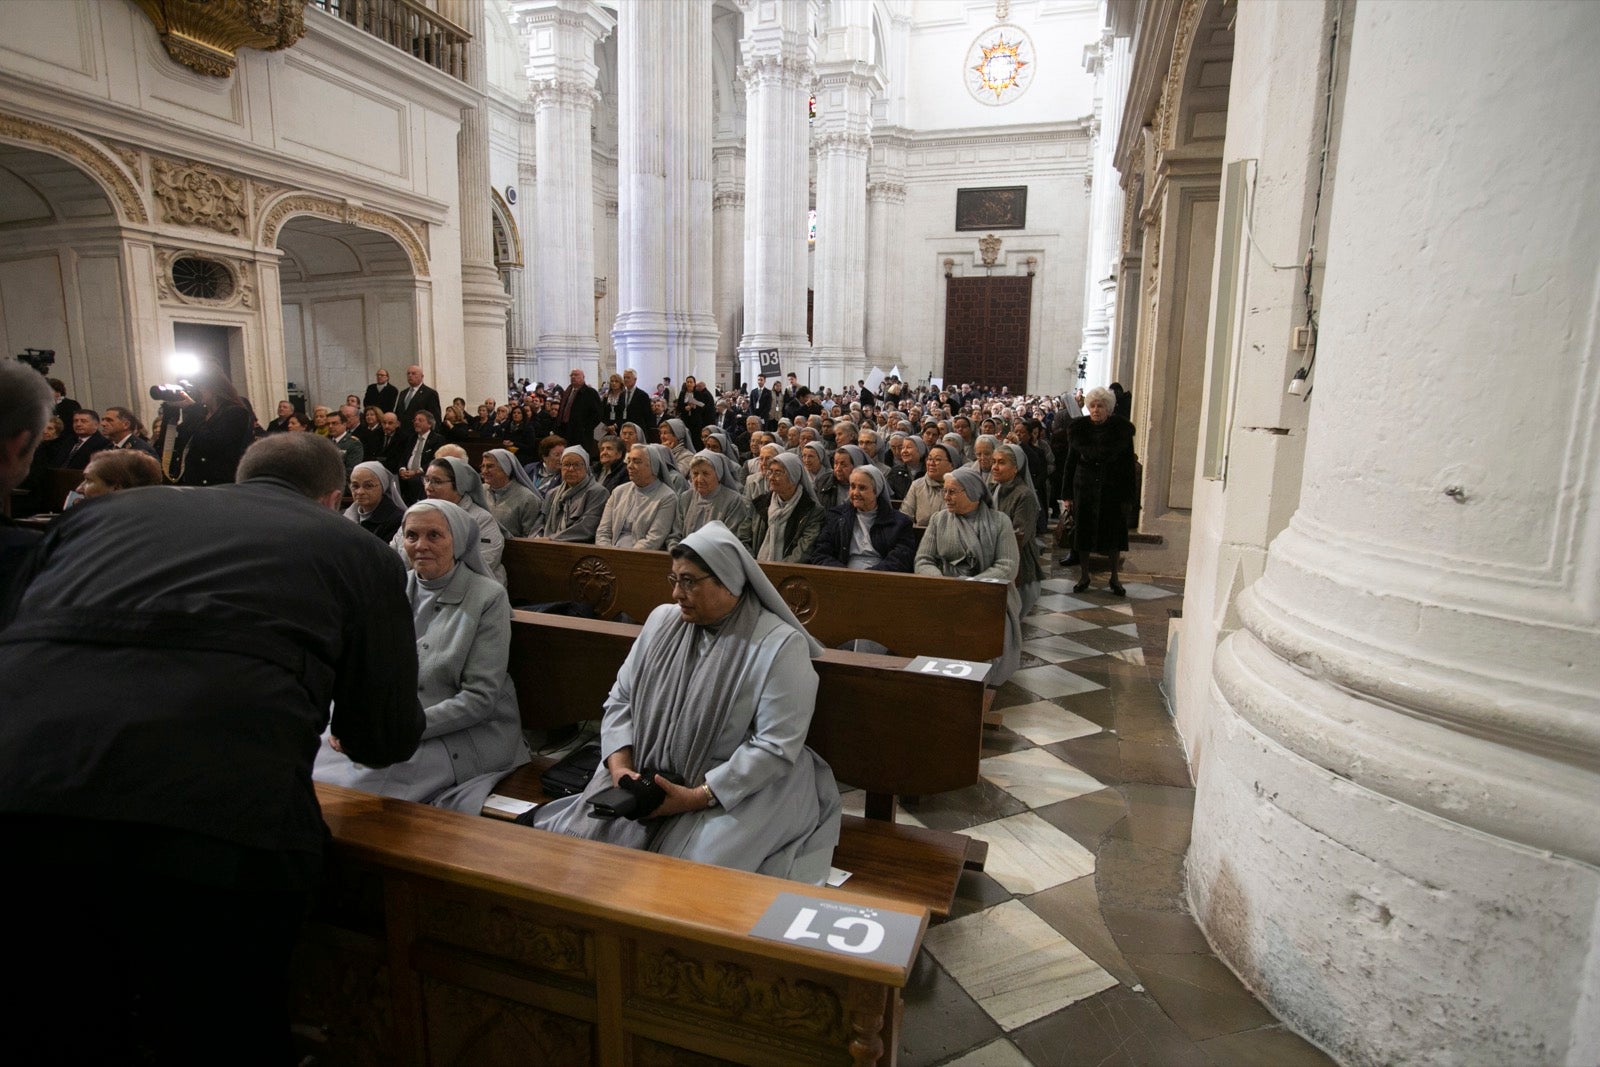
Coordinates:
[165,815]
[381,395]
[417,397]
[580,412]
[416,454]
[85,441]
[636,404]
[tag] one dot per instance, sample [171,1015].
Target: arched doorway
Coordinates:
[350,305]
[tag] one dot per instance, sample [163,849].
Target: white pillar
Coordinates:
[727,226]
[526,299]
[1395,833]
[561,78]
[483,297]
[886,199]
[842,140]
[1109,62]
[664,322]
[777,70]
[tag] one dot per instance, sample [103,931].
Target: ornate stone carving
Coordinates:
[325,207]
[563,92]
[989,249]
[887,192]
[788,71]
[499,932]
[206,35]
[728,199]
[593,582]
[130,157]
[800,597]
[194,195]
[122,191]
[1172,87]
[731,992]
[842,142]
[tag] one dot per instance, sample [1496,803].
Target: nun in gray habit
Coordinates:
[968,538]
[473,732]
[726,704]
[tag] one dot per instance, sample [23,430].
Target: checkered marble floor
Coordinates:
[1073,946]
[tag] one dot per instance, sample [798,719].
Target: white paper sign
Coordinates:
[875,379]
[949,668]
[841,928]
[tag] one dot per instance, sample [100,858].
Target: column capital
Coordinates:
[778,70]
[558,91]
[842,142]
[885,192]
[731,198]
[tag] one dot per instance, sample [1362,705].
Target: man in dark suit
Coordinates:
[117,424]
[761,403]
[580,412]
[389,447]
[636,404]
[418,397]
[87,440]
[865,396]
[281,423]
[66,407]
[417,455]
[382,395]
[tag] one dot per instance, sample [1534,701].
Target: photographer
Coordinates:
[214,432]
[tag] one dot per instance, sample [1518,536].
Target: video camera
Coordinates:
[173,392]
[40,359]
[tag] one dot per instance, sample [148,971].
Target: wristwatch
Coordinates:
[711,798]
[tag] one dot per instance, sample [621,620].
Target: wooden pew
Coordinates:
[448,940]
[909,614]
[882,729]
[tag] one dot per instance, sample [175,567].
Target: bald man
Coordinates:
[417,397]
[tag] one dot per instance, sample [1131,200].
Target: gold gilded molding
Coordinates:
[324,207]
[191,194]
[206,35]
[731,992]
[121,190]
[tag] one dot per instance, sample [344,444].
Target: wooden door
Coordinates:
[986,331]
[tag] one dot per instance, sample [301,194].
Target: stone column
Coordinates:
[526,294]
[561,79]
[1396,839]
[842,140]
[727,227]
[886,199]
[777,70]
[664,322]
[483,297]
[1108,61]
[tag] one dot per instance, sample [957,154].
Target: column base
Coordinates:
[659,345]
[557,355]
[1385,933]
[837,366]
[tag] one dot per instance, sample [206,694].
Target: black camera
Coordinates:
[173,392]
[632,798]
[40,359]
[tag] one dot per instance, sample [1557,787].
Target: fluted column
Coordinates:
[561,79]
[886,199]
[777,71]
[483,297]
[1108,61]
[525,293]
[664,321]
[842,140]
[727,227]
[1395,837]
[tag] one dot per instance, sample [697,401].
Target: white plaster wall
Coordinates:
[941,31]
[1051,162]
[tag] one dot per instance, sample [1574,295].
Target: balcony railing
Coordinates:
[408,26]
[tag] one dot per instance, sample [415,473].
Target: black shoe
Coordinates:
[1070,560]
[1116,588]
[1083,583]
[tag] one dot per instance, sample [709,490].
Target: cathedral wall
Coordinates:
[338,126]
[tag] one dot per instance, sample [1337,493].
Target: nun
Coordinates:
[377,505]
[640,514]
[715,494]
[719,690]
[473,732]
[514,498]
[788,516]
[968,538]
[1013,497]
[453,480]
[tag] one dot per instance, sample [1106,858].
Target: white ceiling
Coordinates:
[37,189]
[316,248]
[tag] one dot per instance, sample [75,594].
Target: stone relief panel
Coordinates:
[191,194]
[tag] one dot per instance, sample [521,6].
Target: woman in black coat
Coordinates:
[215,431]
[890,536]
[1099,474]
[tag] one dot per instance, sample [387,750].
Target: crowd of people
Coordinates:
[344,616]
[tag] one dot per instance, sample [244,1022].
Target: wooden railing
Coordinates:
[408,26]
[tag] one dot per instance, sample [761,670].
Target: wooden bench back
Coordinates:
[881,728]
[909,614]
[444,939]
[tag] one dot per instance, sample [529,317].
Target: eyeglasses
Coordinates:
[687,582]
[437,481]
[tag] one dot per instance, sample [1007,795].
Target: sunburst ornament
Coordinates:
[1000,65]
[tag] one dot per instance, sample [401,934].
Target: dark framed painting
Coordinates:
[1001,208]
